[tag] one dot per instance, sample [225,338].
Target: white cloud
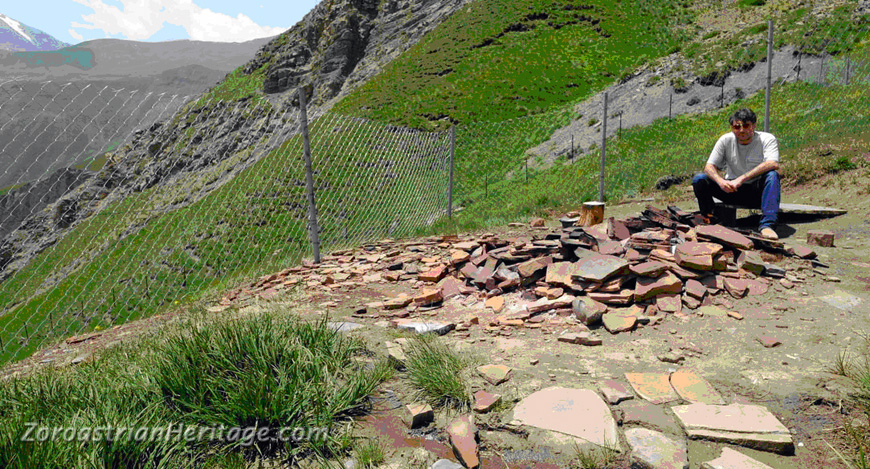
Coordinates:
[75,35]
[141,19]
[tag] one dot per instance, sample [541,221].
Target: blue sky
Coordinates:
[75,21]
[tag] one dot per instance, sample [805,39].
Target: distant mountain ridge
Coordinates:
[19,37]
[117,58]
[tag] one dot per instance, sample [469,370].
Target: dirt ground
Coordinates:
[815,321]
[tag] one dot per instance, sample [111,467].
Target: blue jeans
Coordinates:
[762,193]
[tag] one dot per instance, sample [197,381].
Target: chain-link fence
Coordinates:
[219,193]
[662,121]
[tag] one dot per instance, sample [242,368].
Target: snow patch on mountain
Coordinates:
[16,26]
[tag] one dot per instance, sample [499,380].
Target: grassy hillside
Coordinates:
[498,60]
[494,60]
[637,157]
[529,59]
[138,262]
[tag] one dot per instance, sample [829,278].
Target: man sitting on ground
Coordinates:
[751,180]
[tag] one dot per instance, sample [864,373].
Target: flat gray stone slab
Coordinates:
[731,459]
[343,326]
[842,300]
[419,327]
[580,413]
[654,417]
[598,267]
[446,464]
[747,425]
[654,450]
[797,208]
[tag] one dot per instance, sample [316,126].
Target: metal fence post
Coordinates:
[800,57]
[313,229]
[822,70]
[848,66]
[603,151]
[769,75]
[450,181]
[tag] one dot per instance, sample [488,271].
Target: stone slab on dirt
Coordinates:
[484,401]
[654,387]
[343,326]
[655,417]
[494,374]
[747,425]
[424,327]
[418,415]
[580,338]
[619,322]
[577,412]
[695,389]
[731,459]
[615,391]
[653,450]
[842,300]
[463,439]
[445,464]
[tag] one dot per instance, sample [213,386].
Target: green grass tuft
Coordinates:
[369,454]
[253,372]
[437,372]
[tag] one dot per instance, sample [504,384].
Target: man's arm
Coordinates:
[712,172]
[762,168]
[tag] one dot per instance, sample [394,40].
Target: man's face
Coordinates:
[743,131]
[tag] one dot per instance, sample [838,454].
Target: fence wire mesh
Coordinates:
[202,217]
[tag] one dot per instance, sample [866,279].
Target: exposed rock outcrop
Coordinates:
[335,48]
[25,200]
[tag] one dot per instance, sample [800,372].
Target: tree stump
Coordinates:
[592,213]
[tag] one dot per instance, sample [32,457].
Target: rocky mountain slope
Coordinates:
[71,95]
[333,49]
[16,36]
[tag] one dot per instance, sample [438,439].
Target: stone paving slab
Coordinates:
[446,464]
[654,387]
[695,389]
[599,267]
[421,327]
[577,412]
[615,391]
[653,450]
[842,300]
[731,459]
[343,326]
[494,374]
[742,424]
[654,417]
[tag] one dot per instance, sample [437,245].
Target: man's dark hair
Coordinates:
[743,115]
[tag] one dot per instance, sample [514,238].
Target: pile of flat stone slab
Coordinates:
[620,272]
